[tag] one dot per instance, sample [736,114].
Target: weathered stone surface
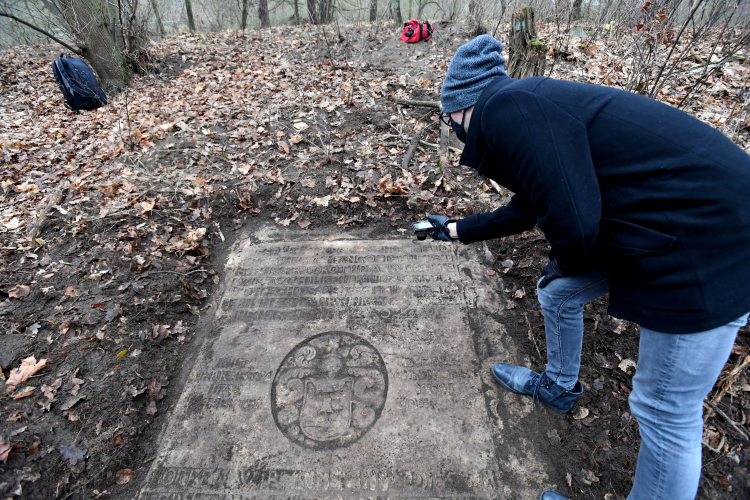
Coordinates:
[341,369]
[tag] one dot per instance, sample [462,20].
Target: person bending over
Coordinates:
[636,199]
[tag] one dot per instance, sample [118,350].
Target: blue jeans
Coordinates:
[675,373]
[562,302]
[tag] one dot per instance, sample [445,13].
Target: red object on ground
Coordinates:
[414,31]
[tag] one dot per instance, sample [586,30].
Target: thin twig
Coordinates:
[424,104]
[53,201]
[731,422]
[531,335]
[174,272]
[732,377]
[413,145]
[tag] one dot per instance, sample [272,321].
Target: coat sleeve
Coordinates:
[513,218]
[546,150]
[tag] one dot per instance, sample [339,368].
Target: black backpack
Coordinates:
[77,83]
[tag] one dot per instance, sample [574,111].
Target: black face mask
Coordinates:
[459,129]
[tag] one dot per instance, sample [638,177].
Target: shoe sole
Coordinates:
[526,394]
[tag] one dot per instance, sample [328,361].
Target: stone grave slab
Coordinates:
[341,369]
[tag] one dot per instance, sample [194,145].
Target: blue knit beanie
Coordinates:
[471,69]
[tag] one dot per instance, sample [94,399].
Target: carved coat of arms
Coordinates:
[329,390]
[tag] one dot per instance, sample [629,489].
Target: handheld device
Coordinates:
[422,228]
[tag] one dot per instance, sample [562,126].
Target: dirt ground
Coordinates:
[111,291]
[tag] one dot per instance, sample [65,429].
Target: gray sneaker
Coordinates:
[524,381]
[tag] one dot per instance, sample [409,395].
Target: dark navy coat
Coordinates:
[619,181]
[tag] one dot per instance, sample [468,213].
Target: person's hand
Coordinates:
[441,231]
[550,272]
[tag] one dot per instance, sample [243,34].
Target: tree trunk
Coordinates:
[373,10]
[395,6]
[243,19]
[527,55]
[97,46]
[576,14]
[325,11]
[311,13]
[265,20]
[112,15]
[191,20]
[476,21]
[296,11]
[159,24]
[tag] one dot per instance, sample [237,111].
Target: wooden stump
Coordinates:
[528,56]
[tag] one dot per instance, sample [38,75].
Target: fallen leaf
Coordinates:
[71,291]
[14,223]
[147,206]
[587,477]
[304,224]
[488,255]
[4,451]
[724,480]
[25,186]
[74,385]
[71,453]
[23,393]
[155,392]
[621,325]
[121,354]
[581,413]
[70,403]
[29,367]
[34,447]
[112,313]
[160,332]
[490,272]
[67,326]
[600,357]
[322,202]
[627,363]
[16,416]
[124,476]
[19,291]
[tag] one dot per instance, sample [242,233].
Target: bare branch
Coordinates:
[426,104]
[40,30]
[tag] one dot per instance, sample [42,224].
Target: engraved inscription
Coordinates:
[329,390]
[288,400]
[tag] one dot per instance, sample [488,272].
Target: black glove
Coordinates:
[441,231]
[550,272]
